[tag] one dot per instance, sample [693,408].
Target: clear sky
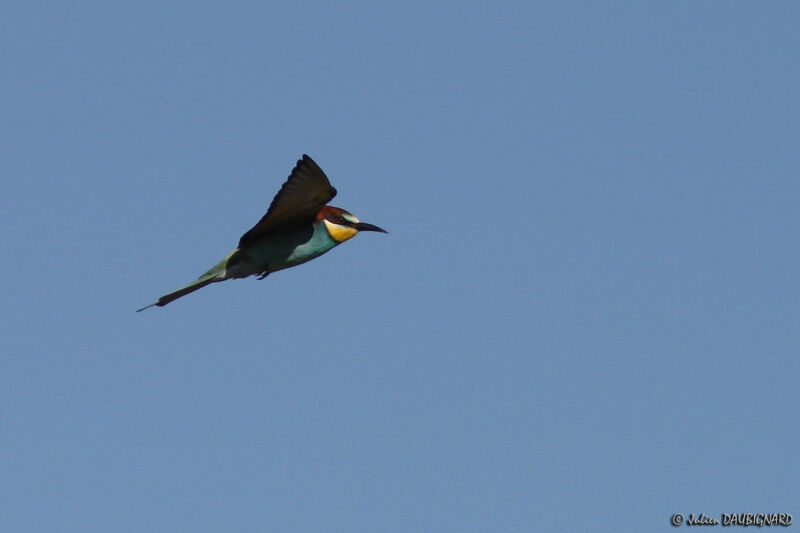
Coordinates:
[585,316]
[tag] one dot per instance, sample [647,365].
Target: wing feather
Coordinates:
[302,196]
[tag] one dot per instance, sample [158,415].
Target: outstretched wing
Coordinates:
[302,196]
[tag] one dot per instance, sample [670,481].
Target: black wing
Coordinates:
[302,196]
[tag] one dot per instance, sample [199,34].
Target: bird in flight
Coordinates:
[298,227]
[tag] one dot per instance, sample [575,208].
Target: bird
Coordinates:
[298,226]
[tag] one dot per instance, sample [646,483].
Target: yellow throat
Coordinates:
[339,233]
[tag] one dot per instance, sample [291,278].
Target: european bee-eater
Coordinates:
[298,227]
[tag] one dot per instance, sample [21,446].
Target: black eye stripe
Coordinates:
[340,219]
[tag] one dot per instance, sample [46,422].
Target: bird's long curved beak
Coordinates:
[363,226]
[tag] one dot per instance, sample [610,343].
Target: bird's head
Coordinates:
[342,225]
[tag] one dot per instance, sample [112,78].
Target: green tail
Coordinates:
[216,273]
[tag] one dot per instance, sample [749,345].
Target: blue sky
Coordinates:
[584,316]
